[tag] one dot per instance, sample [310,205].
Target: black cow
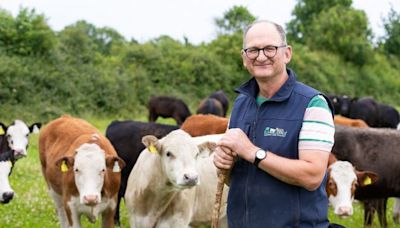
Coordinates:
[375,114]
[223,98]
[166,106]
[126,137]
[377,150]
[210,106]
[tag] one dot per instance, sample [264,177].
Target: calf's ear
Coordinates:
[205,149]
[34,128]
[152,144]
[115,163]
[3,128]
[365,178]
[65,163]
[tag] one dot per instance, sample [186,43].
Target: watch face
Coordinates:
[260,154]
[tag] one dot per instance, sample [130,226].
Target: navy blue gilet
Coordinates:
[257,199]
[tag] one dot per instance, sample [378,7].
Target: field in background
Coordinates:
[32,206]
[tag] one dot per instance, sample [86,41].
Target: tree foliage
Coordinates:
[26,34]
[234,20]
[391,40]
[84,69]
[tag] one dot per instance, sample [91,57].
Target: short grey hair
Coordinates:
[278,27]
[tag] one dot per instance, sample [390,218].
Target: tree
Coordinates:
[391,40]
[345,32]
[305,12]
[235,19]
[27,34]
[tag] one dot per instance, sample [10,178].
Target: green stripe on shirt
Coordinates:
[318,102]
[316,140]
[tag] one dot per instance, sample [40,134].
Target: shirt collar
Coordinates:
[250,88]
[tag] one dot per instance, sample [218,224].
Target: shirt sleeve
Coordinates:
[318,129]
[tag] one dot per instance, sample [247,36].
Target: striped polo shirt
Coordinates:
[317,132]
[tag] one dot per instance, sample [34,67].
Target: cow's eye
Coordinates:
[103,170]
[169,154]
[76,170]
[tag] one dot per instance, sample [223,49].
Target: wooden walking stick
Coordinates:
[222,174]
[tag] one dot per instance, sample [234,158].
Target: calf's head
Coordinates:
[343,179]
[89,167]
[17,137]
[178,154]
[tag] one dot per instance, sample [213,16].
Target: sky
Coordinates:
[148,19]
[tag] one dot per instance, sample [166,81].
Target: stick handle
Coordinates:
[222,173]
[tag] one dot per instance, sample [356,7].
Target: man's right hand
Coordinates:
[224,158]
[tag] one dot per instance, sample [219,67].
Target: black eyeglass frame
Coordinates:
[264,51]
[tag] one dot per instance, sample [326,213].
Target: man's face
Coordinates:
[263,67]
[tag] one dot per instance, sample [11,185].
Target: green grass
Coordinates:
[33,207]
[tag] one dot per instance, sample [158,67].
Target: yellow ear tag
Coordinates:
[152,149]
[10,163]
[116,167]
[367,181]
[64,167]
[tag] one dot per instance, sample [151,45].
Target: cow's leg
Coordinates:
[108,218]
[381,209]
[116,214]
[74,213]
[62,216]
[152,115]
[396,211]
[369,212]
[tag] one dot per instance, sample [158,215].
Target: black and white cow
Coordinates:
[13,145]
[17,137]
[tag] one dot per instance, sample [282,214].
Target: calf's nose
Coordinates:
[7,197]
[190,179]
[345,211]
[90,200]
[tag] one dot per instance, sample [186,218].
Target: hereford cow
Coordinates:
[210,106]
[376,150]
[198,125]
[13,145]
[172,185]
[223,98]
[166,106]
[343,180]
[81,169]
[126,137]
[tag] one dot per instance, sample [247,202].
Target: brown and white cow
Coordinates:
[343,179]
[200,124]
[82,171]
[175,185]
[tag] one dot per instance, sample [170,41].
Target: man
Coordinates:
[281,133]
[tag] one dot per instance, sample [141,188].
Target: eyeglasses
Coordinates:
[269,51]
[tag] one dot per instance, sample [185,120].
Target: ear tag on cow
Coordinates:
[152,149]
[10,163]
[64,167]
[116,167]
[367,181]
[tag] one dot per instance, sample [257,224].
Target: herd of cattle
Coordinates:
[165,172]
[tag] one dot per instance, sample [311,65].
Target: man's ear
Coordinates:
[288,54]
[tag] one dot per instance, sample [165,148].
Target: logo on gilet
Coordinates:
[269,131]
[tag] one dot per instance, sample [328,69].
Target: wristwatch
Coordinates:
[260,155]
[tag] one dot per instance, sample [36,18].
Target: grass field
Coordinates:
[32,207]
